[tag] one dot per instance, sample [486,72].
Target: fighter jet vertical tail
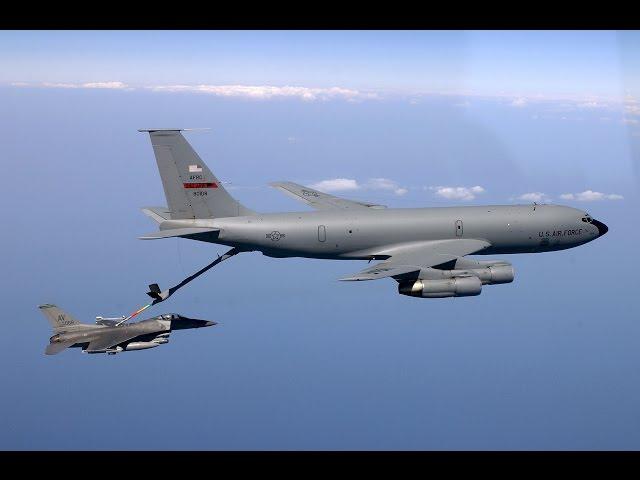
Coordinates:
[192,191]
[57,318]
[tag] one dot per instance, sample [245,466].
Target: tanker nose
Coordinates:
[602,228]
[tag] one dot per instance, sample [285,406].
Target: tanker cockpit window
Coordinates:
[587,218]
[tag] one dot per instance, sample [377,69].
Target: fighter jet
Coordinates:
[110,335]
[423,249]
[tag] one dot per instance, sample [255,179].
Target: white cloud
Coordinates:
[336,185]
[519,102]
[590,196]
[631,106]
[348,184]
[537,197]
[458,193]
[107,85]
[265,92]
[590,104]
[385,184]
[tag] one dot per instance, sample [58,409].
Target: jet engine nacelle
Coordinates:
[140,346]
[490,272]
[495,274]
[451,287]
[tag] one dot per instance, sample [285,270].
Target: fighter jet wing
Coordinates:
[319,200]
[110,339]
[412,257]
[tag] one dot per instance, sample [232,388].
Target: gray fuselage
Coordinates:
[366,234]
[139,331]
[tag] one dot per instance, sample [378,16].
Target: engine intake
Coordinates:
[451,287]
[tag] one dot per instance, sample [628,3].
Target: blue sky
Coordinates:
[300,360]
[482,62]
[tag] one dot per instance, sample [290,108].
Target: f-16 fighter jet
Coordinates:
[110,335]
[423,249]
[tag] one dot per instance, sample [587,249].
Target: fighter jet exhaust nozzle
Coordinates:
[452,287]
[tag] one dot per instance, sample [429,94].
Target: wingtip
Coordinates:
[172,129]
[149,130]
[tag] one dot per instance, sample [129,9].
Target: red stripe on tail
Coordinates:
[201,185]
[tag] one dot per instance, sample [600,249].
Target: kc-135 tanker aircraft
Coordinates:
[423,249]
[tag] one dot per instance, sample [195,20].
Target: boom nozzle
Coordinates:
[154,291]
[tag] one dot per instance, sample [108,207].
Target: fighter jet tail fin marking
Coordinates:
[191,189]
[58,318]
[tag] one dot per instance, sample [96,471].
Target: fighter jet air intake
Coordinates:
[422,249]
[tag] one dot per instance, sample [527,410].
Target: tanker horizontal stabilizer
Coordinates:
[178,232]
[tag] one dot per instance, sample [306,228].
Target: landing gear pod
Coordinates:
[452,287]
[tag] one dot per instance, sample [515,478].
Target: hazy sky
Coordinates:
[300,360]
[482,62]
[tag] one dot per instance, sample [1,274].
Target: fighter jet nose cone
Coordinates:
[602,228]
[209,323]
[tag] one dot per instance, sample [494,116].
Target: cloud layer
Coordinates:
[255,92]
[107,85]
[630,105]
[265,92]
